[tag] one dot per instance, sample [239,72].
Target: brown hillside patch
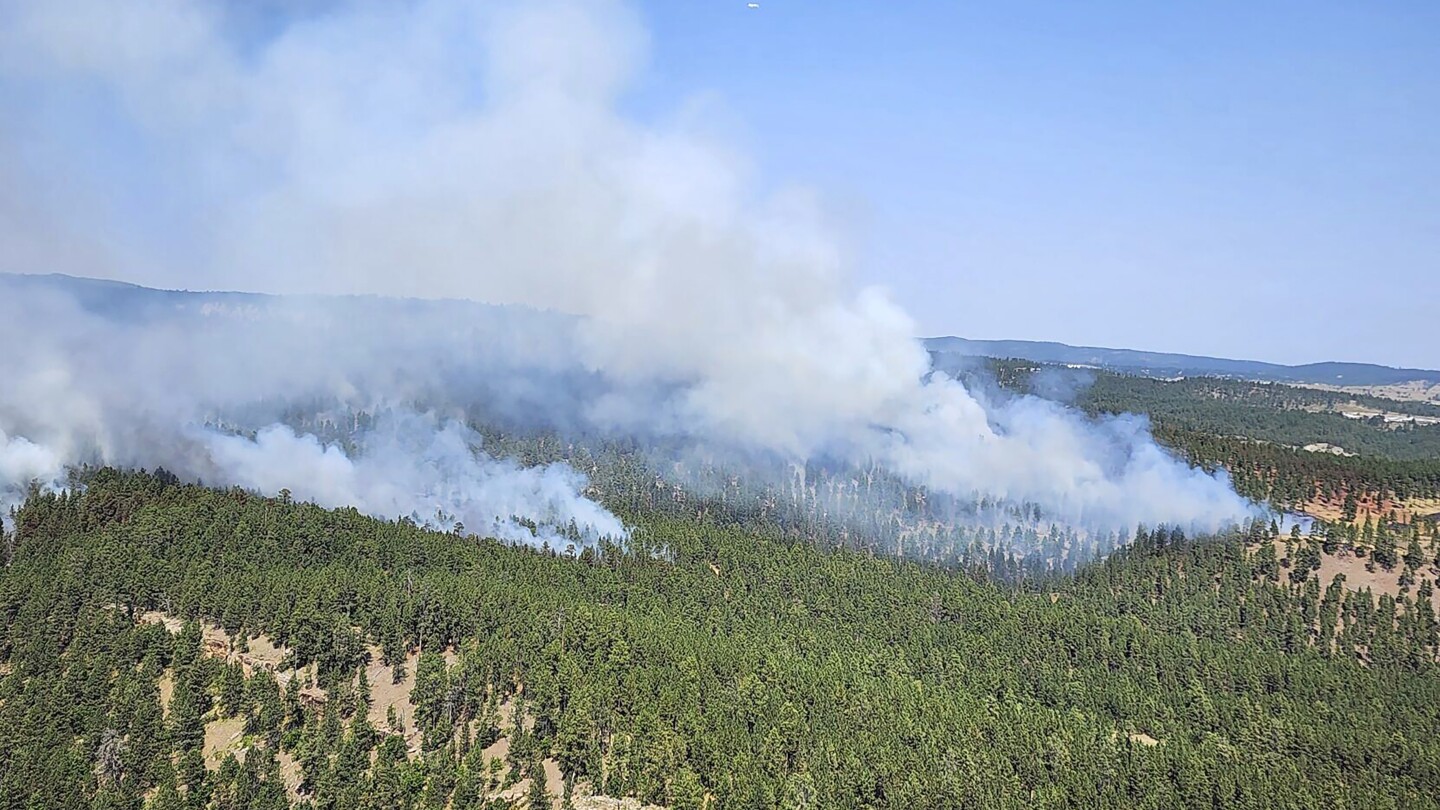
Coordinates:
[1332,510]
[290,774]
[1414,391]
[1357,576]
[554,780]
[584,800]
[554,785]
[263,653]
[170,623]
[385,694]
[166,683]
[223,737]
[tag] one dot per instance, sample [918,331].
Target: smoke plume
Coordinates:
[448,149]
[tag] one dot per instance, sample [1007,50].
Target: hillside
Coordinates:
[707,667]
[1160,364]
[131,302]
[764,634]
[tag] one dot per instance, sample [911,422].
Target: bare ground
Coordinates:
[226,736]
[386,694]
[290,773]
[167,691]
[1358,577]
[1414,391]
[1332,510]
[223,737]
[263,653]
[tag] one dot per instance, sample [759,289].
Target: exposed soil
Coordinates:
[1333,510]
[386,694]
[1415,391]
[223,737]
[290,773]
[226,736]
[263,653]
[167,691]
[1357,575]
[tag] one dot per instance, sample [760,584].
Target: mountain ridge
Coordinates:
[1170,364]
[126,299]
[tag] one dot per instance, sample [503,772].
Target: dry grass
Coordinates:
[223,737]
[1414,391]
[290,774]
[1406,510]
[263,652]
[386,694]
[167,691]
[1358,576]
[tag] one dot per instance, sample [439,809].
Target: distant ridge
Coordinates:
[124,301]
[1161,364]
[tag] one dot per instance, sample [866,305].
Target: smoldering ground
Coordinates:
[445,149]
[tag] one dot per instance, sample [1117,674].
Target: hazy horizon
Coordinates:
[981,339]
[1227,181]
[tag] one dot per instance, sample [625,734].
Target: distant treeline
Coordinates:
[1257,432]
[1264,412]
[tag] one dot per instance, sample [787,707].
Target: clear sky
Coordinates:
[1257,180]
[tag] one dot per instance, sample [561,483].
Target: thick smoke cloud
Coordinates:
[449,149]
[201,384]
[407,461]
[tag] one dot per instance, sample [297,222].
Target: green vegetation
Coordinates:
[1257,431]
[708,664]
[1267,412]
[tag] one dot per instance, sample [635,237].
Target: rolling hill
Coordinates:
[1161,364]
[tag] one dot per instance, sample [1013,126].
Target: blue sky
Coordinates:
[1239,179]
[1245,180]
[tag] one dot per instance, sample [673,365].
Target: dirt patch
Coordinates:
[262,653]
[584,800]
[1357,578]
[223,737]
[1357,575]
[1142,739]
[385,695]
[166,683]
[554,780]
[554,783]
[1405,510]
[290,775]
[1415,391]
[500,749]
[170,623]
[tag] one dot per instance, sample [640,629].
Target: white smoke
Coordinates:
[412,467]
[443,148]
[151,386]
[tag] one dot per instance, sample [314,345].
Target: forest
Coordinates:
[1258,432]
[709,663]
[817,637]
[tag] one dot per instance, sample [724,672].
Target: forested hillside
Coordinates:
[1165,364]
[706,665]
[1277,414]
[1259,432]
